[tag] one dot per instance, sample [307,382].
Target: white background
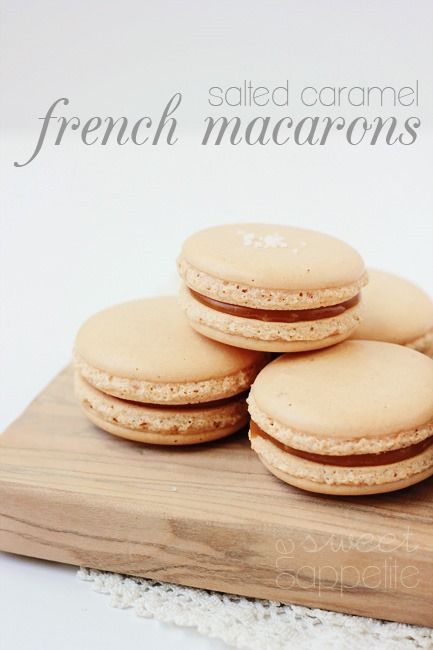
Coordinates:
[85,227]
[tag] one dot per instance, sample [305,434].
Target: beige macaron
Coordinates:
[271,287]
[356,418]
[396,310]
[144,374]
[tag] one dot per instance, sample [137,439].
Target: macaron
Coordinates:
[354,419]
[397,311]
[269,287]
[144,374]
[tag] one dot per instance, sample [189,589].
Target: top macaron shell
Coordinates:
[356,391]
[145,350]
[394,309]
[270,257]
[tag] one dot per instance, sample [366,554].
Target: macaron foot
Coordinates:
[346,490]
[248,343]
[158,438]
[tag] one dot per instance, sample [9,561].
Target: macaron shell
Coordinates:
[254,334]
[151,340]
[170,393]
[394,310]
[273,256]
[358,390]
[158,424]
[268,346]
[155,438]
[346,490]
[257,297]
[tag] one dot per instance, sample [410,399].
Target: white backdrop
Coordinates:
[84,227]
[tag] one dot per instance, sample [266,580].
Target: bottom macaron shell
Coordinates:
[349,481]
[161,425]
[267,346]
[265,336]
[155,438]
[346,490]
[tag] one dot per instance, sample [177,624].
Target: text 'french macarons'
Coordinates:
[144,374]
[271,287]
[355,418]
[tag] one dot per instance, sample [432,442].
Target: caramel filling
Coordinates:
[354,460]
[277,315]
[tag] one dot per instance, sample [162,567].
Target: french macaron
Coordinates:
[397,311]
[269,287]
[354,419]
[142,373]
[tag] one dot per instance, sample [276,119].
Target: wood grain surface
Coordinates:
[209,516]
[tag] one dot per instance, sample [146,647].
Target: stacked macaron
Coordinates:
[144,374]
[272,288]
[397,311]
[329,415]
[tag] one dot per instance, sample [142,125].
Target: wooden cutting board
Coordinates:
[208,516]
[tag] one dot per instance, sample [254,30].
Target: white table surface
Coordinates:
[43,606]
[85,227]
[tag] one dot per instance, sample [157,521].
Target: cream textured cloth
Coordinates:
[254,624]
